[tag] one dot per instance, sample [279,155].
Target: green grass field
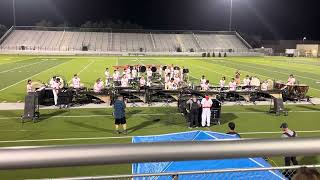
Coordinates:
[91,126]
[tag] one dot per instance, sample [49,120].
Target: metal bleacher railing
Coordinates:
[77,155]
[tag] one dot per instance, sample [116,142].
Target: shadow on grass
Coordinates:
[309,160]
[84,125]
[143,125]
[227,117]
[52,113]
[313,108]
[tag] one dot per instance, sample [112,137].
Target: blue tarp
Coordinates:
[199,165]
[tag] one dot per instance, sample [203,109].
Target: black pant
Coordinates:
[194,118]
[288,160]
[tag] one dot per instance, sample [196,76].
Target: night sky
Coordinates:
[271,19]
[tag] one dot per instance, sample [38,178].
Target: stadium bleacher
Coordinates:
[63,40]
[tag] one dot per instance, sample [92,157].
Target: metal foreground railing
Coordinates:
[288,172]
[85,155]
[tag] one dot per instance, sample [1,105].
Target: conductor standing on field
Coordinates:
[119,115]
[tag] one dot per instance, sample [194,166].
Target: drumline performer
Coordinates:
[246,81]
[149,73]
[107,75]
[124,81]
[222,83]
[232,85]
[142,81]
[55,90]
[76,82]
[171,85]
[237,77]
[264,86]
[205,86]
[203,80]
[134,73]
[291,80]
[29,86]
[98,86]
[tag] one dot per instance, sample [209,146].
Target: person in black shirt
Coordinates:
[232,131]
[193,106]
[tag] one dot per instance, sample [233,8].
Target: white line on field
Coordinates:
[33,76]
[126,137]
[156,114]
[100,115]
[89,64]
[23,66]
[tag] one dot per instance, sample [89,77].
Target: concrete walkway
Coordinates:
[20,106]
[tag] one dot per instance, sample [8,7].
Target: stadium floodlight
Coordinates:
[230,15]
[14,12]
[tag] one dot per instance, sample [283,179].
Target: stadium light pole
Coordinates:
[14,12]
[230,15]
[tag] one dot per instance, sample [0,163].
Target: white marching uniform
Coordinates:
[142,82]
[124,82]
[264,86]
[291,81]
[76,82]
[98,87]
[246,82]
[232,86]
[55,91]
[222,83]
[134,73]
[205,87]
[206,111]
[29,88]
[203,81]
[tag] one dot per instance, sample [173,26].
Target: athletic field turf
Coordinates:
[91,126]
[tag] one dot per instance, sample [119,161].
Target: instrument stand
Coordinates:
[237,99]
[133,103]
[167,102]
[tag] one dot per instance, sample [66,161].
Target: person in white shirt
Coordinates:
[171,85]
[264,86]
[167,71]
[134,72]
[222,83]
[107,75]
[177,79]
[124,81]
[176,71]
[29,86]
[246,81]
[232,85]
[76,82]
[206,104]
[55,90]
[142,81]
[52,81]
[98,86]
[128,70]
[291,80]
[205,86]
[115,75]
[149,73]
[203,80]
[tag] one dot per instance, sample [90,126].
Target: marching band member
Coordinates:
[222,83]
[29,86]
[149,83]
[205,86]
[237,77]
[52,81]
[291,80]
[98,85]
[149,73]
[134,72]
[142,81]
[128,70]
[76,82]
[177,79]
[124,81]
[232,85]
[167,71]
[55,90]
[203,80]
[246,81]
[264,86]
[206,103]
[176,71]
[107,75]
[116,75]
[171,85]
[255,82]
[181,73]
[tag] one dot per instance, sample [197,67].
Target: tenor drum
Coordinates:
[301,91]
[279,85]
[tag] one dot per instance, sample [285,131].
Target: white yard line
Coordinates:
[89,64]
[125,137]
[23,66]
[33,76]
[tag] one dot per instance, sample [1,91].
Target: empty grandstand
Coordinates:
[107,40]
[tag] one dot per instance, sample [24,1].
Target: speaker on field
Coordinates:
[85,48]
[204,54]
[208,54]
[219,54]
